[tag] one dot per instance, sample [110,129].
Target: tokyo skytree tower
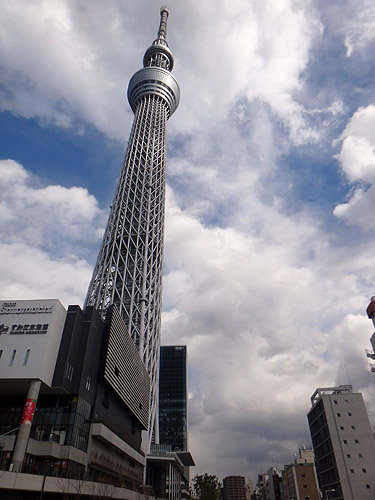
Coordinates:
[128,270]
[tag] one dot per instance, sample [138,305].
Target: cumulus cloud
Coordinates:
[45,217]
[27,272]
[258,50]
[357,155]
[45,234]
[359,210]
[357,161]
[51,70]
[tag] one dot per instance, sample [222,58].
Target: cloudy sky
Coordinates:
[269,249]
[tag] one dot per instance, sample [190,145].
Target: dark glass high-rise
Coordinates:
[173,397]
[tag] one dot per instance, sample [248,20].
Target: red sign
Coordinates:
[28,411]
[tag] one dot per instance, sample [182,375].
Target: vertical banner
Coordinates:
[28,411]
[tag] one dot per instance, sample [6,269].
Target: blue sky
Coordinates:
[269,261]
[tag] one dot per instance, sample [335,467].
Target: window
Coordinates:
[364,471]
[352,471]
[346,401]
[341,427]
[12,358]
[1,353]
[26,357]
[305,485]
[368,486]
[353,426]
[88,382]
[349,414]
[303,475]
[360,455]
[335,402]
[345,441]
[69,371]
[348,456]
[338,414]
[356,441]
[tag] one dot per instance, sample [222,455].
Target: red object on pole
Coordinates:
[28,411]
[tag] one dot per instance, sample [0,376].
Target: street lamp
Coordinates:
[326,492]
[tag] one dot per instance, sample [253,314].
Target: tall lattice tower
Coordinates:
[128,271]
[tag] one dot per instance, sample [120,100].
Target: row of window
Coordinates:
[69,370]
[349,414]
[342,427]
[363,470]
[52,467]
[349,456]
[13,356]
[345,441]
[63,419]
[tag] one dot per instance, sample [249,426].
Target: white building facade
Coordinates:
[343,443]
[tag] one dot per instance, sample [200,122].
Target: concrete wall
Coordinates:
[31,332]
[60,486]
[353,444]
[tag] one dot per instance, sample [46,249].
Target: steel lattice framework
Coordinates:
[128,270]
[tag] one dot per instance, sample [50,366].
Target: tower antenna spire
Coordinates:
[162,32]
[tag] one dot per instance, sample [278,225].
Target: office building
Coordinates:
[343,443]
[173,397]
[234,488]
[168,462]
[70,407]
[128,270]
[168,472]
[299,478]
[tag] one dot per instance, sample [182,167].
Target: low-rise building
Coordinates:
[168,472]
[299,478]
[234,488]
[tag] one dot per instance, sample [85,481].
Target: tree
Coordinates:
[206,487]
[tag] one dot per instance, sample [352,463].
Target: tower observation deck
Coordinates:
[128,271]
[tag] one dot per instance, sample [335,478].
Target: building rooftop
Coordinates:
[322,391]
